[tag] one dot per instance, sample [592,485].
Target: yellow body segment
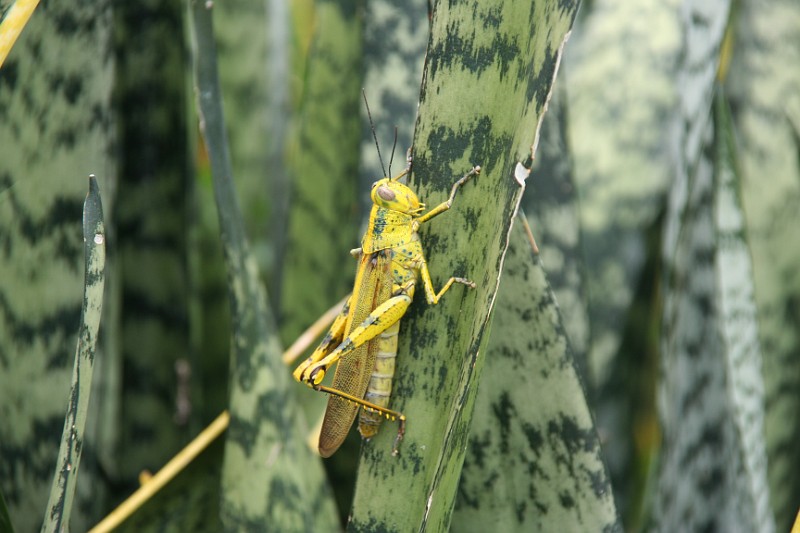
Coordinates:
[380,383]
[362,341]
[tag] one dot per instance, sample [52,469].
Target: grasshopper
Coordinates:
[362,341]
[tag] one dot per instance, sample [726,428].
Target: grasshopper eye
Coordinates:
[386,194]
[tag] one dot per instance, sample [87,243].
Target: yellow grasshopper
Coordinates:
[363,338]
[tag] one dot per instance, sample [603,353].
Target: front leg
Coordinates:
[378,321]
[444,206]
[329,343]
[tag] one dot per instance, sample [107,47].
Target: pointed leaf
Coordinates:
[764,90]
[269,475]
[62,493]
[533,461]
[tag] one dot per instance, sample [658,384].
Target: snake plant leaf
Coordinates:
[321,219]
[703,27]
[533,462]
[696,433]
[713,462]
[489,73]
[550,203]
[149,271]
[692,372]
[395,36]
[255,84]
[764,89]
[620,159]
[621,172]
[55,128]
[270,477]
[62,493]
[323,167]
[738,324]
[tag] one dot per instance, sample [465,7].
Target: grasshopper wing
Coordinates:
[373,286]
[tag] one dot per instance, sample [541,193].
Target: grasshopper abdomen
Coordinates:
[379,389]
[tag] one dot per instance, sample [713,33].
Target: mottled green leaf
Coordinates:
[619,97]
[322,219]
[620,83]
[253,49]
[55,129]
[703,26]
[489,72]
[533,461]
[551,205]
[150,274]
[62,492]
[698,461]
[738,325]
[764,89]
[323,167]
[270,479]
[395,36]
[713,464]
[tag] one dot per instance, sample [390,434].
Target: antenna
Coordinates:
[391,157]
[372,127]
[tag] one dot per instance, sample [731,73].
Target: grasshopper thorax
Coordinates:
[391,221]
[390,194]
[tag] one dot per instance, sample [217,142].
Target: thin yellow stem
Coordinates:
[528,232]
[16,19]
[165,475]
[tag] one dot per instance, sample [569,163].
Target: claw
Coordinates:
[300,370]
[316,376]
[466,282]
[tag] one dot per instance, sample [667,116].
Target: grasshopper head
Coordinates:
[393,195]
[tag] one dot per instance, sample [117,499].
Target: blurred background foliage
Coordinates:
[648,344]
